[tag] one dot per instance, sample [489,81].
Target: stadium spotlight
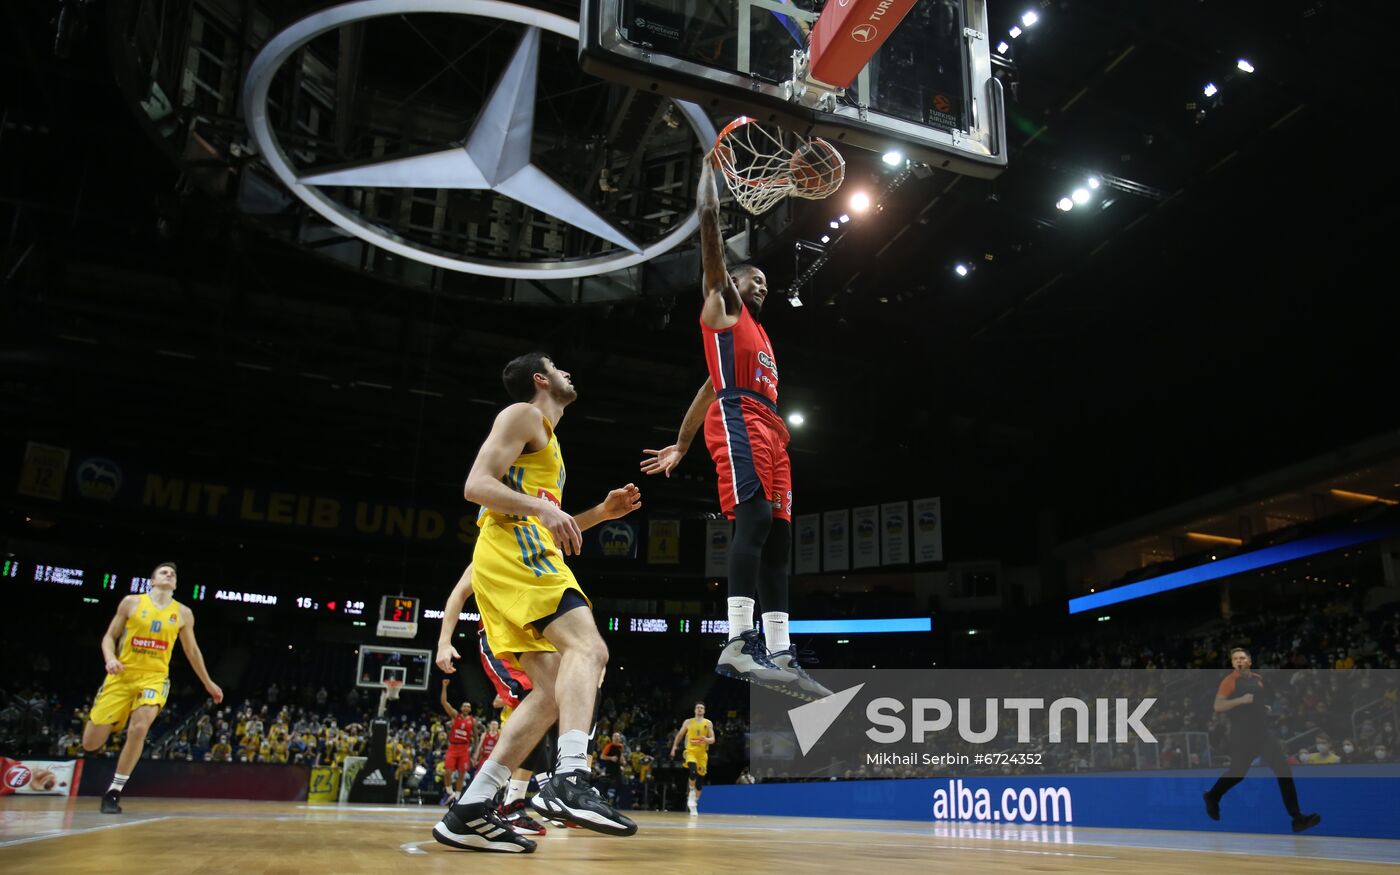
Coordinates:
[960,270]
[1030,18]
[1064,205]
[844,218]
[1244,65]
[1093,182]
[1015,32]
[860,202]
[1003,47]
[1210,90]
[826,238]
[893,157]
[1081,196]
[796,419]
[835,224]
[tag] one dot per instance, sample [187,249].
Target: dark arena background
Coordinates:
[1118,394]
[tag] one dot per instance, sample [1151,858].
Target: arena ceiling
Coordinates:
[1209,315]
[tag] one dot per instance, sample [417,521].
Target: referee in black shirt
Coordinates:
[1241,696]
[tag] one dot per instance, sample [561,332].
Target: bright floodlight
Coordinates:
[893,158]
[845,217]
[1210,89]
[796,419]
[1065,204]
[1003,47]
[1081,195]
[826,238]
[1030,18]
[1093,182]
[960,270]
[1015,32]
[860,201]
[795,301]
[1245,65]
[835,224]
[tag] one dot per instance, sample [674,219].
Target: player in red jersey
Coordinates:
[458,761]
[747,439]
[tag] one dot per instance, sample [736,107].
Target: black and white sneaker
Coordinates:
[477,827]
[746,658]
[111,802]
[788,660]
[572,797]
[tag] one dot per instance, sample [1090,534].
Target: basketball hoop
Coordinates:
[762,165]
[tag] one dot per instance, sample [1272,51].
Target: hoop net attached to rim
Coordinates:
[391,691]
[764,164]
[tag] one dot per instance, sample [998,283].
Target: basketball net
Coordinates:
[390,694]
[762,164]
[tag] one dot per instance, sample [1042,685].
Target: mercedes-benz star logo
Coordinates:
[495,155]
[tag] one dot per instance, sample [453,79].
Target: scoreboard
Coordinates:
[398,616]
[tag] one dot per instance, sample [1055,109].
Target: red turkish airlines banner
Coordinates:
[847,36]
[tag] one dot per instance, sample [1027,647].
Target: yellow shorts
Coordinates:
[701,758]
[123,693]
[519,577]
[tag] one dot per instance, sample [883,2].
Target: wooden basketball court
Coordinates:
[46,836]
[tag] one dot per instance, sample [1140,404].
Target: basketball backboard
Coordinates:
[376,664]
[929,89]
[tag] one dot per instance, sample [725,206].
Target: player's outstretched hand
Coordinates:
[446,655]
[564,529]
[662,461]
[215,692]
[621,502]
[114,666]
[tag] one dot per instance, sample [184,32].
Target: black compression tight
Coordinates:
[759,555]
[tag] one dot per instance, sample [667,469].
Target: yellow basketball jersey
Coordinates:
[696,730]
[150,636]
[539,474]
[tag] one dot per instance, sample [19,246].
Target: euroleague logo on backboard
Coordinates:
[864,33]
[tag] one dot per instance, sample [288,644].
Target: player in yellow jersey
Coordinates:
[138,676]
[699,734]
[532,606]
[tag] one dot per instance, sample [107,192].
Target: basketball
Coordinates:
[817,165]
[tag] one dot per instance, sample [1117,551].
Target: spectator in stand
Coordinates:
[181,750]
[222,751]
[744,776]
[1321,755]
[203,736]
[1381,754]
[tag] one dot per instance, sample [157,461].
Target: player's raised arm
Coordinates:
[665,460]
[446,653]
[722,302]
[113,635]
[447,706]
[513,429]
[195,656]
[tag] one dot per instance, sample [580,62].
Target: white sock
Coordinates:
[492,776]
[775,631]
[517,789]
[740,616]
[573,751]
[118,782]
